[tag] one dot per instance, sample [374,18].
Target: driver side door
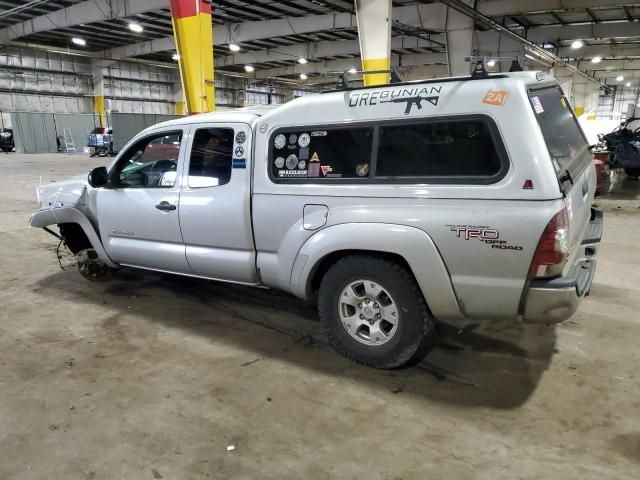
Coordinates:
[138,211]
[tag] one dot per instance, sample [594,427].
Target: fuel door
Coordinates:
[315,216]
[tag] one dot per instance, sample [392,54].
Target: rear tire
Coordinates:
[632,172]
[374,313]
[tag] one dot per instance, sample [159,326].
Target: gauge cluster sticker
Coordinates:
[241,137]
[279,162]
[326,169]
[315,157]
[482,233]
[293,139]
[239,151]
[319,133]
[303,153]
[304,140]
[537,106]
[292,162]
[495,97]
[280,141]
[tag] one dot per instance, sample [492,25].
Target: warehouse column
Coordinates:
[459,28]
[374,31]
[193,34]
[98,95]
[178,97]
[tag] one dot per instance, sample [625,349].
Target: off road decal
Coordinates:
[409,96]
[495,97]
[484,234]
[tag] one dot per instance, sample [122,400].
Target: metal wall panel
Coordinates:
[127,125]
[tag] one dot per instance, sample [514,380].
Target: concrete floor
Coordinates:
[151,376]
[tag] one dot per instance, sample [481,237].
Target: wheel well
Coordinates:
[323,266]
[74,237]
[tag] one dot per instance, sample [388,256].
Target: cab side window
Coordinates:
[211,157]
[150,163]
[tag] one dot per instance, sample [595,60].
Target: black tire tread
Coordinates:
[412,353]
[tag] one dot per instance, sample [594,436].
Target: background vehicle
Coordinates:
[7,143]
[101,139]
[388,221]
[623,145]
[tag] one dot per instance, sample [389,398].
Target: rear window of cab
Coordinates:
[453,150]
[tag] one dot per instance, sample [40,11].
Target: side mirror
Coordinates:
[98,177]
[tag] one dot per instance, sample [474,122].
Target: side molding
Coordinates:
[411,243]
[53,216]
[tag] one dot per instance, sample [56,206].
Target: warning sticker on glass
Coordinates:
[537,106]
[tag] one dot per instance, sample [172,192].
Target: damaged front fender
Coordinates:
[55,216]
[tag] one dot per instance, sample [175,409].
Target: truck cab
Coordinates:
[389,207]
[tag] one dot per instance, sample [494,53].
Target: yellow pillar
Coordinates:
[98,97]
[193,34]
[374,32]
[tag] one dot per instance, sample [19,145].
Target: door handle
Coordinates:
[165,206]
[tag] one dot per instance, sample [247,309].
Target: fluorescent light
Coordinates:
[596,59]
[628,84]
[135,27]
[529,56]
[249,68]
[175,56]
[491,63]
[233,47]
[303,76]
[79,41]
[619,78]
[352,70]
[577,44]
[302,61]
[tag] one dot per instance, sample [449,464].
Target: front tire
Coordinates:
[374,313]
[632,172]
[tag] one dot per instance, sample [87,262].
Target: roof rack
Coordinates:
[343,77]
[480,68]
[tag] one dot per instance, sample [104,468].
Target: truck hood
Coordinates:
[67,193]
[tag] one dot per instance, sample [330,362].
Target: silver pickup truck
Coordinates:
[390,207]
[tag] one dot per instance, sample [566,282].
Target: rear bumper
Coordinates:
[555,300]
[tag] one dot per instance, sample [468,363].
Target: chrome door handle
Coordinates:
[165,206]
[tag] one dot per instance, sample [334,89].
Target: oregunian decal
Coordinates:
[410,96]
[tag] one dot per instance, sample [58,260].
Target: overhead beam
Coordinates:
[498,8]
[604,51]
[587,31]
[432,16]
[310,51]
[85,12]
[342,65]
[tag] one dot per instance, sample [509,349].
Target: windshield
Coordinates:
[559,127]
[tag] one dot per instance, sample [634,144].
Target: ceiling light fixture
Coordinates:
[628,84]
[577,44]
[249,68]
[491,63]
[79,41]
[596,59]
[234,48]
[619,78]
[303,76]
[302,61]
[135,27]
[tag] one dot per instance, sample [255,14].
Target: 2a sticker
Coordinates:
[495,97]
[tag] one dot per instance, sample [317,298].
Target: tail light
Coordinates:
[552,249]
